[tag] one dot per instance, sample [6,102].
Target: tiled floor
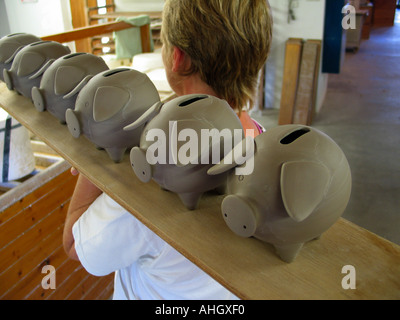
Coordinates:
[361,113]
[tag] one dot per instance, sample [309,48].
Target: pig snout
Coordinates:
[140,165]
[73,123]
[239,216]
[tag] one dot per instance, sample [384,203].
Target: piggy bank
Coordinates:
[30,63]
[181,141]
[63,80]
[299,187]
[110,101]
[9,47]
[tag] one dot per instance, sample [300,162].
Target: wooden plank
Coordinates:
[55,259]
[87,32]
[145,38]
[317,69]
[99,29]
[103,289]
[291,72]
[69,275]
[11,276]
[82,288]
[17,247]
[66,272]
[35,212]
[19,198]
[79,20]
[63,292]
[31,235]
[307,87]
[246,266]
[92,287]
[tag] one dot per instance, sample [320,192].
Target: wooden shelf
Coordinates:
[247,267]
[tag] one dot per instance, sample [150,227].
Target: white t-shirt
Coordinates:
[108,238]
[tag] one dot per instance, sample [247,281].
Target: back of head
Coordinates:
[228,42]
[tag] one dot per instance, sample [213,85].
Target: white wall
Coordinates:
[139,5]
[309,24]
[41,17]
[4,26]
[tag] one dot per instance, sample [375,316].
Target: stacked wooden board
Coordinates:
[300,81]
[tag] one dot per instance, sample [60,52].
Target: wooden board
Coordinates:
[246,266]
[305,96]
[290,80]
[90,31]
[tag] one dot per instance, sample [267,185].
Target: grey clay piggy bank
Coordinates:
[63,80]
[299,188]
[106,104]
[9,47]
[178,170]
[30,63]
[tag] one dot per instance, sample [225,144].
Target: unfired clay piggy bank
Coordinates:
[106,104]
[9,47]
[63,80]
[30,63]
[173,129]
[300,186]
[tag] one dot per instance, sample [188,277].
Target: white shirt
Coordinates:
[108,238]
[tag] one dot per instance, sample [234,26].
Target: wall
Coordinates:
[309,24]
[4,26]
[40,17]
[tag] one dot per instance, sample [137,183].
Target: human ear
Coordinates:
[180,60]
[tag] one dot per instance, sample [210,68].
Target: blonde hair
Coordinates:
[228,42]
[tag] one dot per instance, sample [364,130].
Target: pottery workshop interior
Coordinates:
[128,172]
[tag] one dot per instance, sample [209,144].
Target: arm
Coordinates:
[84,194]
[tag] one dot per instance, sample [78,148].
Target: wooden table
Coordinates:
[247,267]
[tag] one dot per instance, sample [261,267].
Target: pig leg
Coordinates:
[190,200]
[288,252]
[116,154]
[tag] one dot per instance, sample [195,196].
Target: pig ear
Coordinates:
[108,101]
[79,87]
[30,62]
[42,69]
[245,149]
[303,186]
[148,115]
[66,78]
[8,52]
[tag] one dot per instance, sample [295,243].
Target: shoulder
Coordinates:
[250,124]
